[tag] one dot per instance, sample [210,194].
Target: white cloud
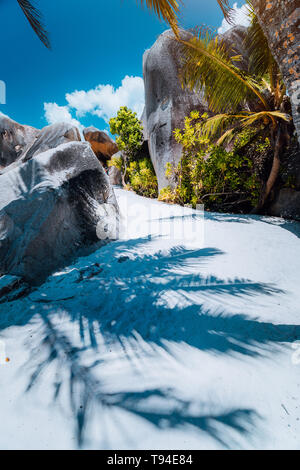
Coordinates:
[240,18]
[55,113]
[103,101]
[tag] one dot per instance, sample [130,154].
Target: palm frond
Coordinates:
[207,66]
[228,12]
[224,126]
[35,20]
[265,116]
[166,10]
[217,124]
[169,9]
[227,136]
[261,60]
[221,127]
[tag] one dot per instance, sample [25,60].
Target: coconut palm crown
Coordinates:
[238,98]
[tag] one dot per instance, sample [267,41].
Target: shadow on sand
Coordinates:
[119,298]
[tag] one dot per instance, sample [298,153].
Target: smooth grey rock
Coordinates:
[234,40]
[14,139]
[115,176]
[48,138]
[53,207]
[144,124]
[287,204]
[166,103]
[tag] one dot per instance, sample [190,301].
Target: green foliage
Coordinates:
[261,61]
[208,174]
[142,179]
[129,131]
[138,174]
[290,182]
[208,66]
[116,161]
[168,195]
[238,98]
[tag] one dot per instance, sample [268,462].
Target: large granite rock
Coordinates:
[234,40]
[14,139]
[287,204]
[103,146]
[53,207]
[115,176]
[166,103]
[280,20]
[50,137]
[114,173]
[41,140]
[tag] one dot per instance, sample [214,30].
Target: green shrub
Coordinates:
[129,131]
[168,195]
[208,174]
[142,178]
[137,174]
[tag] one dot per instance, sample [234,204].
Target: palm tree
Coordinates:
[256,98]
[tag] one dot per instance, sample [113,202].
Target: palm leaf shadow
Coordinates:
[131,301]
[85,394]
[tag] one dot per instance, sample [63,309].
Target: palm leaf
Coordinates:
[227,136]
[252,118]
[169,9]
[228,12]
[34,17]
[261,60]
[165,9]
[207,66]
[217,124]
[223,126]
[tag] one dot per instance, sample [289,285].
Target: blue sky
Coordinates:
[97,48]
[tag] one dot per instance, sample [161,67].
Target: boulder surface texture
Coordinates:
[166,103]
[56,203]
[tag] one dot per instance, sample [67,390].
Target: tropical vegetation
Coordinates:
[136,170]
[209,174]
[142,178]
[129,131]
[239,99]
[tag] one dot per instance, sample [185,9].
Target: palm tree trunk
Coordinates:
[279,20]
[273,173]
